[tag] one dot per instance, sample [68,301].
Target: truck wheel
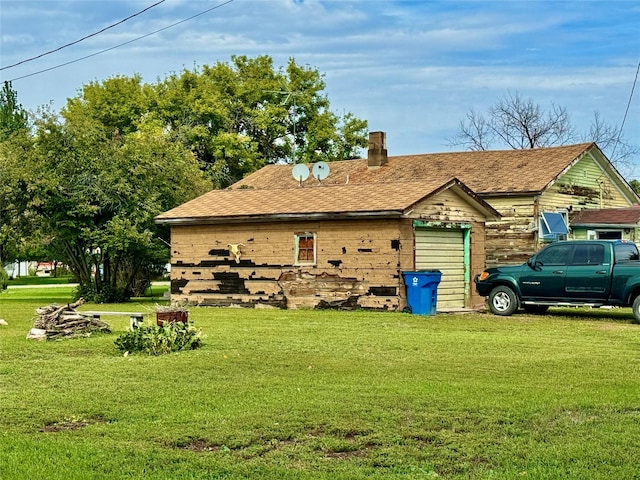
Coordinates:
[503,301]
[636,310]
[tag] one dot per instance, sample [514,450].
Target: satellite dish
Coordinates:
[300,172]
[321,170]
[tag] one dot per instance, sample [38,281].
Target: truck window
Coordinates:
[588,254]
[626,252]
[554,255]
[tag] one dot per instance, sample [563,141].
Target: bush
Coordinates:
[4,278]
[171,337]
[107,294]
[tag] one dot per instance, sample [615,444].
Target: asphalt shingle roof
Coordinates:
[484,172]
[606,216]
[403,180]
[306,200]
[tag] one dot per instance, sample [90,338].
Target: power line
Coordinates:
[83,38]
[121,44]
[624,119]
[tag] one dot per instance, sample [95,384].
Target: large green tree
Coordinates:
[235,117]
[13,125]
[94,195]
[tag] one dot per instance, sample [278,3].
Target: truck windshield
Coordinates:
[626,252]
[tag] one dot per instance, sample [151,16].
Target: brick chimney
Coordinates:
[377,155]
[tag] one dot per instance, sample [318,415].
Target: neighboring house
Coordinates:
[342,242]
[370,219]
[608,223]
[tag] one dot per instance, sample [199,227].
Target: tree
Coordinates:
[94,197]
[238,116]
[12,116]
[518,123]
[13,124]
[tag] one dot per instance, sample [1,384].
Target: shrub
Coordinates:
[4,278]
[171,337]
[107,294]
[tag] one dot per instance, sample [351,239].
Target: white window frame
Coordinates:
[296,246]
[543,225]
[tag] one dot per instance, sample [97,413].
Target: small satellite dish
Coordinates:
[300,172]
[320,170]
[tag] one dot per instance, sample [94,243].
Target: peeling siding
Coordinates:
[357,265]
[509,239]
[514,238]
[358,262]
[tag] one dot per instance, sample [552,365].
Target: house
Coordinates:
[333,240]
[534,190]
[607,223]
[370,219]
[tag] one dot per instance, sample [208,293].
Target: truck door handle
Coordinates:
[558,272]
[601,272]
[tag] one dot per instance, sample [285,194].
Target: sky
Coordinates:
[413,69]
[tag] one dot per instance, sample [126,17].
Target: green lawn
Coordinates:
[321,394]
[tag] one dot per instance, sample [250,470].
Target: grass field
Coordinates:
[324,395]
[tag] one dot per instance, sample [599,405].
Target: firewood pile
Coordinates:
[55,321]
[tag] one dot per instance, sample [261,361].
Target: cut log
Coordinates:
[54,321]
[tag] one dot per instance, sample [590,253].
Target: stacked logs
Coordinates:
[54,321]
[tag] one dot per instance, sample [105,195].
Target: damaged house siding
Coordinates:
[514,238]
[357,264]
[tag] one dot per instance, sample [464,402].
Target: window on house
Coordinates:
[553,226]
[610,235]
[305,244]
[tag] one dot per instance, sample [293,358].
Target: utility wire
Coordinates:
[121,44]
[83,38]
[624,119]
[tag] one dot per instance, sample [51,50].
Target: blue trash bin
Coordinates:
[422,291]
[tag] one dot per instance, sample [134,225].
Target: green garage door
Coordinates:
[443,249]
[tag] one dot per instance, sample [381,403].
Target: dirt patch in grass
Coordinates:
[198,445]
[70,424]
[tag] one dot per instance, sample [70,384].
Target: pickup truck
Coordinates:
[568,273]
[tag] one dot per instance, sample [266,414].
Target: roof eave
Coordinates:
[278,217]
[523,193]
[605,225]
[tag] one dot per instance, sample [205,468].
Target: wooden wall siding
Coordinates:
[583,181]
[448,207]
[358,264]
[510,239]
[477,252]
[580,233]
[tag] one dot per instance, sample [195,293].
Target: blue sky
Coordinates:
[413,69]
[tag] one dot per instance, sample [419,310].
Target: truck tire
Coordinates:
[636,310]
[503,301]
